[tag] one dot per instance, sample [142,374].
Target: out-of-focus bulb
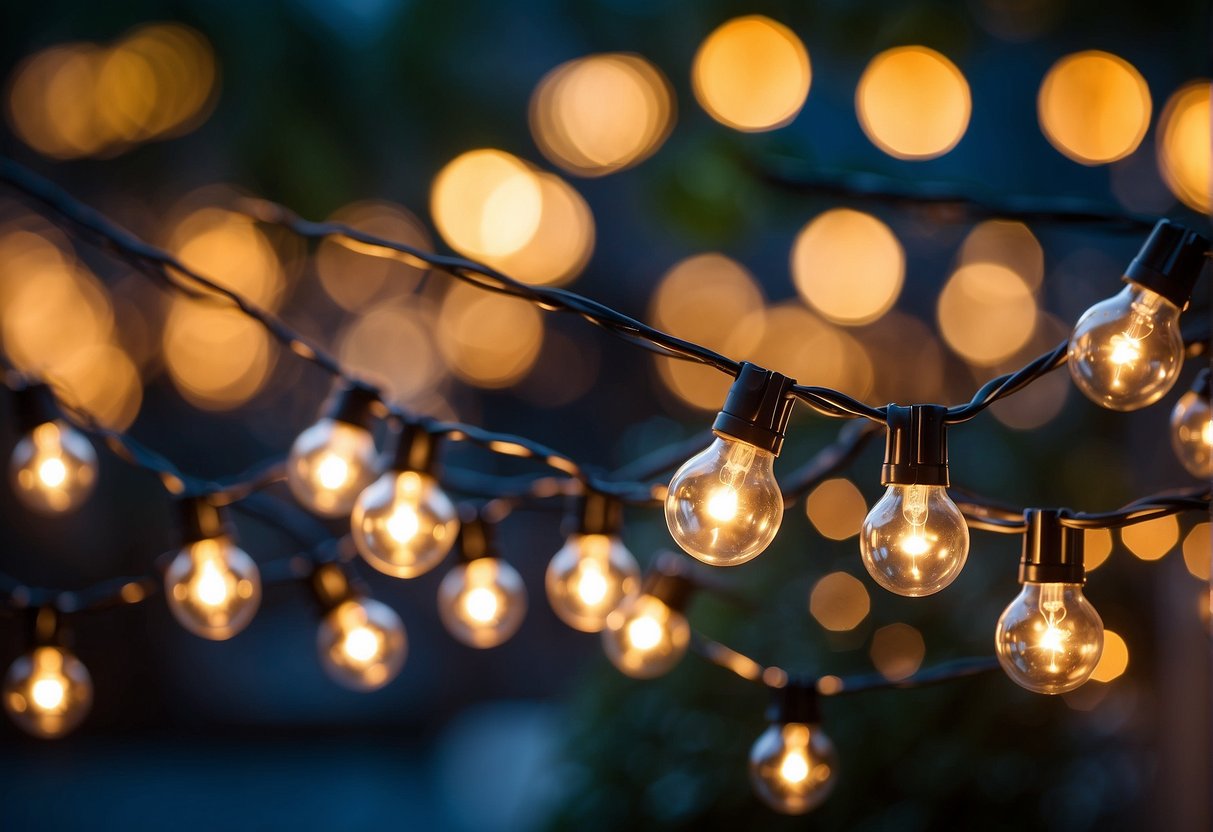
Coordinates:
[914,540]
[1050,638]
[362,644]
[589,577]
[213,588]
[54,468]
[329,465]
[1192,429]
[792,767]
[48,692]
[482,602]
[404,524]
[645,636]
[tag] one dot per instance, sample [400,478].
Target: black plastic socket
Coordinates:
[757,409]
[797,701]
[357,405]
[1202,385]
[594,513]
[35,404]
[1052,553]
[331,586]
[416,450]
[916,446]
[669,581]
[477,538]
[201,520]
[45,627]
[1169,262]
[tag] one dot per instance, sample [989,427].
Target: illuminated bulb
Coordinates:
[1126,352]
[724,506]
[915,541]
[54,468]
[213,588]
[482,602]
[331,462]
[1192,429]
[48,692]
[1050,638]
[362,644]
[647,634]
[793,763]
[593,572]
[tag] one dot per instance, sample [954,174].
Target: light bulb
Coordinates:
[482,601]
[54,468]
[362,644]
[792,767]
[589,577]
[645,636]
[1050,637]
[48,692]
[914,540]
[724,506]
[404,524]
[329,465]
[1192,429]
[213,588]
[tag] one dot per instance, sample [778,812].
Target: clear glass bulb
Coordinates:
[213,588]
[329,465]
[362,644]
[404,524]
[1050,638]
[1192,434]
[914,540]
[724,505]
[644,637]
[54,468]
[48,692]
[482,602]
[1126,351]
[589,577]
[792,767]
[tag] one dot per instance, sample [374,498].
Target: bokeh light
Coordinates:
[1185,145]
[1114,660]
[907,357]
[1006,243]
[913,103]
[836,508]
[563,240]
[486,203]
[848,266]
[394,344]
[601,113]
[487,339]
[1094,107]
[355,275]
[82,99]
[802,346]
[986,313]
[1152,539]
[1097,546]
[752,73]
[839,602]
[897,651]
[1198,550]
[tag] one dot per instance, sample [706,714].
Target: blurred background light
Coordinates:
[1097,546]
[839,602]
[897,651]
[486,204]
[356,276]
[848,266]
[1198,550]
[986,313]
[1152,539]
[1114,660]
[488,340]
[836,508]
[1094,107]
[1184,145]
[913,103]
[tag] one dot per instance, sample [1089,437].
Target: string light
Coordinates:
[334,460]
[53,466]
[648,634]
[724,505]
[1192,428]
[482,601]
[1127,351]
[361,642]
[915,541]
[1049,639]
[47,691]
[793,765]
[212,586]
[404,524]
[593,572]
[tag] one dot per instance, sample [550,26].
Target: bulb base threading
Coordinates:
[916,446]
[416,450]
[357,405]
[594,513]
[202,520]
[1052,553]
[797,701]
[35,404]
[1169,262]
[757,409]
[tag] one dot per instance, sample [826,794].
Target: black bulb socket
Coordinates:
[477,538]
[416,450]
[670,582]
[201,519]
[1052,553]
[332,586]
[757,409]
[916,446]
[35,404]
[45,627]
[356,404]
[594,513]
[1202,385]
[1170,262]
[797,701]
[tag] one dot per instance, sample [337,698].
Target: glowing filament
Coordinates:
[52,472]
[795,767]
[481,605]
[722,504]
[1053,610]
[403,524]
[332,471]
[362,644]
[210,587]
[48,693]
[1206,433]
[644,633]
[592,585]
[1125,349]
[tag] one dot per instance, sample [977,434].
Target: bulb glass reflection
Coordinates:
[1126,351]
[1050,638]
[48,692]
[213,588]
[588,578]
[1192,434]
[644,637]
[914,540]
[482,602]
[792,767]
[54,468]
[362,644]
[404,524]
[724,505]
[329,465]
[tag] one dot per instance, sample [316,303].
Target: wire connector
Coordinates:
[757,409]
[1169,262]
[916,446]
[1052,553]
